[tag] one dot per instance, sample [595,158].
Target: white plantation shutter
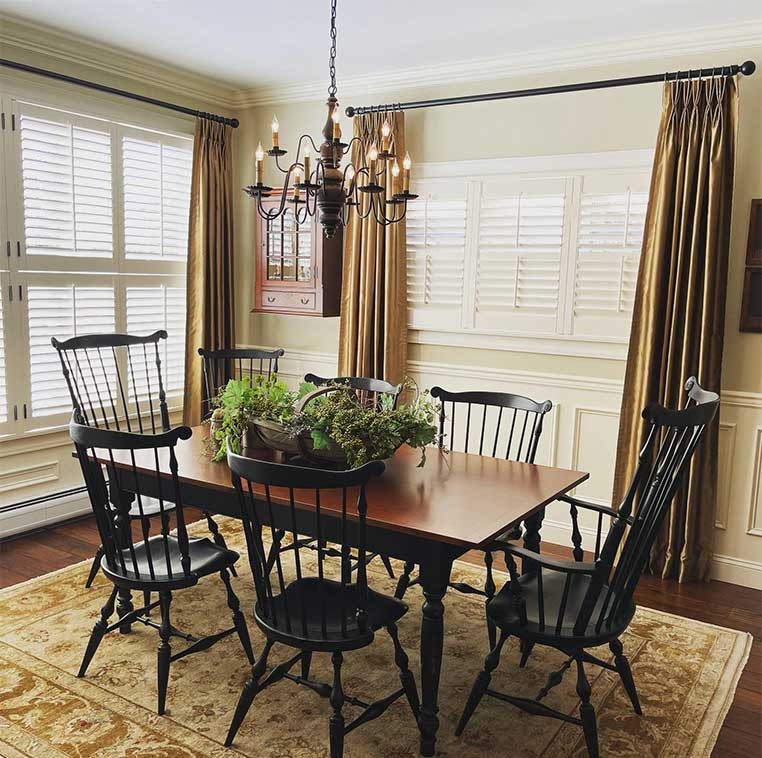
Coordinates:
[436,247]
[611,220]
[520,239]
[156,172]
[66,184]
[160,307]
[62,311]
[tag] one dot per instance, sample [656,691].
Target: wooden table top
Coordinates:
[459,499]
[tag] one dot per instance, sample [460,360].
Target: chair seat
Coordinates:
[205,558]
[306,599]
[502,612]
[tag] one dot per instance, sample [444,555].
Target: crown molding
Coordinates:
[644,47]
[70,48]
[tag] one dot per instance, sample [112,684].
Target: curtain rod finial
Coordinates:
[235,123]
[350,111]
[747,68]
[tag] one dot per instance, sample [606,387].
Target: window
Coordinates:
[527,249]
[95,230]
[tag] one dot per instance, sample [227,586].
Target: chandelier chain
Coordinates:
[332,66]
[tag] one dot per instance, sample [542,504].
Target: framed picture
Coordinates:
[751,304]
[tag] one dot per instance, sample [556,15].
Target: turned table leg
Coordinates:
[435,575]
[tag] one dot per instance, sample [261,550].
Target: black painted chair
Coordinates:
[369,391]
[497,424]
[165,562]
[575,605]
[311,612]
[219,366]
[116,382]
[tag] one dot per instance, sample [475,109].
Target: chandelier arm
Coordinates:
[349,145]
[280,168]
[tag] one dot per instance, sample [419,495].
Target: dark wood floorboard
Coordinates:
[729,605]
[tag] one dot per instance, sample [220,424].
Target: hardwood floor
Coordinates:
[31,555]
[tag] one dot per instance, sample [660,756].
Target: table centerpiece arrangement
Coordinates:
[330,425]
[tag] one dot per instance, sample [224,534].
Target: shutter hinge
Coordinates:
[2,120]
[21,293]
[24,410]
[15,413]
[18,248]
[13,122]
[10,293]
[8,248]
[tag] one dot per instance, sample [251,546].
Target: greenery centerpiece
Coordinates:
[332,424]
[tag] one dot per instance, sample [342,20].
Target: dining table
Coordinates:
[429,515]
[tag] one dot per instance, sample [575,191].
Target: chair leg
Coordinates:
[387,565]
[147,601]
[98,631]
[306,663]
[526,650]
[219,540]
[404,581]
[95,567]
[489,591]
[164,651]
[625,674]
[247,694]
[481,684]
[336,723]
[586,710]
[406,675]
[238,620]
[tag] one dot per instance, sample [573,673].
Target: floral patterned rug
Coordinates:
[686,673]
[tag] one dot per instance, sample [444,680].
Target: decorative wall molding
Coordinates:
[726,454]
[29,475]
[43,514]
[71,48]
[522,63]
[755,503]
[728,568]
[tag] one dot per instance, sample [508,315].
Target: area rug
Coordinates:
[686,673]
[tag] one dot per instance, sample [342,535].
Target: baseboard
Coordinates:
[726,568]
[42,514]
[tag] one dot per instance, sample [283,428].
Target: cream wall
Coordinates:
[586,391]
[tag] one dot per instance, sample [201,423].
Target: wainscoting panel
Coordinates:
[581,433]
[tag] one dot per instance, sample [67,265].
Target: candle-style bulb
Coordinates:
[386,130]
[336,118]
[395,169]
[373,154]
[275,126]
[350,174]
[407,163]
[260,153]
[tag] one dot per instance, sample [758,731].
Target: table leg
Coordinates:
[532,538]
[434,576]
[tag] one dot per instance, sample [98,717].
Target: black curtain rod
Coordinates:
[747,69]
[114,91]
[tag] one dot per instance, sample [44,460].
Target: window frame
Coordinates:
[20,92]
[570,168]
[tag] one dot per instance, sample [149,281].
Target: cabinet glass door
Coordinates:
[289,249]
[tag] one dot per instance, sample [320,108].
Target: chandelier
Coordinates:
[328,188]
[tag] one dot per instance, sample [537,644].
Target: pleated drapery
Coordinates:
[210,315]
[373,330]
[679,310]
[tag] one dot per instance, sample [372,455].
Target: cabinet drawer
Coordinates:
[288,301]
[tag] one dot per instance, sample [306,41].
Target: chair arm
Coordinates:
[606,510]
[566,567]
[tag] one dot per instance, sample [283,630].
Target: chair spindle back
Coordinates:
[220,366]
[497,424]
[295,498]
[140,458]
[115,380]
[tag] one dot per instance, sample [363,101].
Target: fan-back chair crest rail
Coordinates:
[577,605]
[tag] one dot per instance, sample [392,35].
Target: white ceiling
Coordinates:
[256,43]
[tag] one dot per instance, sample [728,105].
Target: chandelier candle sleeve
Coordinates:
[372,158]
[307,164]
[297,182]
[406,164]
[335,117]
[259,156]
[385,132]
[275,127]
[395,177]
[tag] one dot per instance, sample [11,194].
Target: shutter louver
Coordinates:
[156,202]
[519,258]
[63,312]
[160,307]
[608,256]
[436,244]
[67,188]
